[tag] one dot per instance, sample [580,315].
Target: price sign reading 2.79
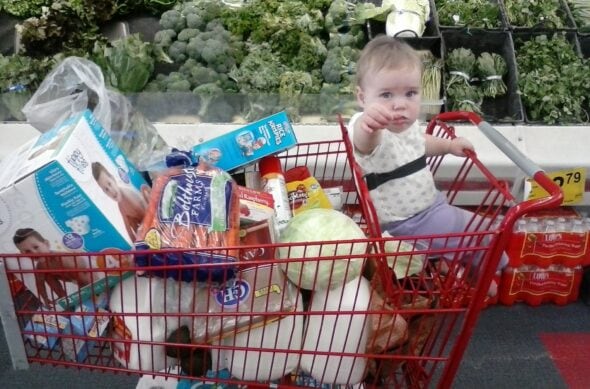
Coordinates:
[571,181]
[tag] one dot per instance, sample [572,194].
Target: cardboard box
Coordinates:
[85,331]
[45,329]
[52,201]
[245,145]
[257,224]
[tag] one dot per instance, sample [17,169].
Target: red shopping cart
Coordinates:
[394,316]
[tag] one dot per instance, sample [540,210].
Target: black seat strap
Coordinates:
[376,179]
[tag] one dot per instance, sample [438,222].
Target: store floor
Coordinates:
[512,347]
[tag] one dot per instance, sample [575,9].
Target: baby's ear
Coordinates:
[360,96]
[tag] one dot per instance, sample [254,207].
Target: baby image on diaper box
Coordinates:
[68,192]
[249,143]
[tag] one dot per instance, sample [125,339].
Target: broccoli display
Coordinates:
[274,54]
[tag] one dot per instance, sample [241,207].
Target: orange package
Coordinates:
[191,208]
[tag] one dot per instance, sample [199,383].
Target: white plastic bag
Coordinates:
[77,84]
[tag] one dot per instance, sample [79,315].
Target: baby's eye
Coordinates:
[412,93]
[386,95]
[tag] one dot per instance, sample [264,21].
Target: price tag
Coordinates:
[571,181]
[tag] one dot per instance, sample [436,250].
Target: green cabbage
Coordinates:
[320,225]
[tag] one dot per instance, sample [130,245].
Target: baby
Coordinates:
[132,205]
[29,241]
[391,148]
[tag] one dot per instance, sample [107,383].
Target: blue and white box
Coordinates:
[44,329]
[248,144]
[71,190]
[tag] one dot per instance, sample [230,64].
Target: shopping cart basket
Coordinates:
[405,322]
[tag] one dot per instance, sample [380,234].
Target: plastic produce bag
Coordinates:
[77,84]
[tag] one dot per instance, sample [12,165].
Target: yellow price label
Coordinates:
[571,181]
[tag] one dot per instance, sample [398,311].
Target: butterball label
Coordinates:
[232,295]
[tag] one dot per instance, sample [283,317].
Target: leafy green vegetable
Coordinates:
[127,63]
[263,44]
[464,97]
[431,80]
[213,106]
[581,13]
[294,86]
[19,78]
[531,13]
[552,80]
[340,64]
[23,8]
[472,13]
[319,225]
[460,65]
[491,68]
[67,25]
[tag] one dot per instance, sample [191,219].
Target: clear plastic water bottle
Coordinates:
[533,225]
[550,226]
[578,226]
[521,226]
[562,225]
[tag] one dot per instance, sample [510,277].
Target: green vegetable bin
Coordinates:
[552,81]
[506,108]
[551,15]
[466,16]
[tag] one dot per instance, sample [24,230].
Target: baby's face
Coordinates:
[32,245]
[109,186]
[397,89]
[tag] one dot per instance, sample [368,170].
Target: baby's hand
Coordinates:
[375,117]
[458,145]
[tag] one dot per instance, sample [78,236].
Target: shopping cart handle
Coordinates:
[512,152]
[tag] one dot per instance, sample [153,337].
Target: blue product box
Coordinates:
[82,324]
[47,325]
[245,145]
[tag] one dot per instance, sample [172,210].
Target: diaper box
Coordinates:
[247,144]
[70,191]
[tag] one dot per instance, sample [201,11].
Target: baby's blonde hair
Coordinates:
[385,52]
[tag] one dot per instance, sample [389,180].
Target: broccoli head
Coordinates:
[216,48]
[337,99]
[198,73]
[177,51]
[164,38]
[311,53]
[173,20]
[340,62]
[338,16]
[176,82]
[295,89]
[187,33]
[260,70]
[214,107]
[355,37]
